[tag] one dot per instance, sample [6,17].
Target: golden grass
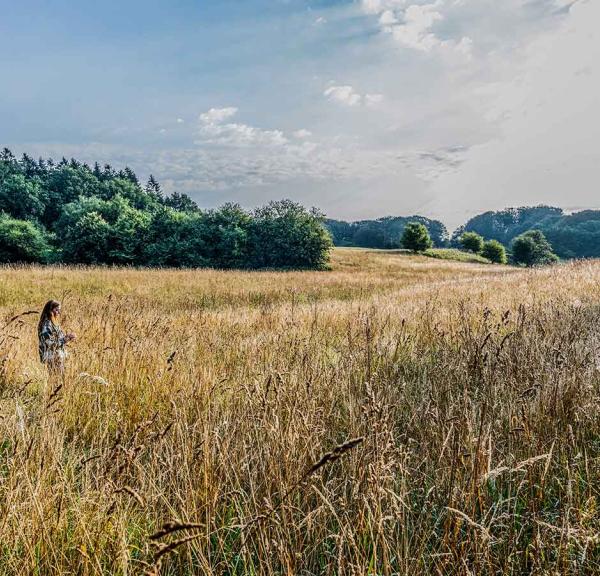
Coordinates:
[396,415]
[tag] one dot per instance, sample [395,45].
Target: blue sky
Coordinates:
[360,107]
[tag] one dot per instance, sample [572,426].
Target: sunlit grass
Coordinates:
[202,397]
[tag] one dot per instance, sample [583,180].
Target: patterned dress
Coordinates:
[52,344]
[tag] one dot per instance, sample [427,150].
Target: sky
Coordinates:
[363,108]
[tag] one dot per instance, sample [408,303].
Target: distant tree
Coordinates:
[63,185]
[416,237]
[176,239]
[128,230]
[181,202]
[134,193]
[370,237]
[505,225]
[226,236]
[472,242]
[20,197]
[531,249]
[22,241]
[130,175]
[86,241]
[384,232]
[494,252]
[284,234]
[7,156]
[153,188]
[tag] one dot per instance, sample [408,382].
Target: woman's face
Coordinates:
[56,311]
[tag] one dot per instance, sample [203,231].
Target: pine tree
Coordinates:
[153,188]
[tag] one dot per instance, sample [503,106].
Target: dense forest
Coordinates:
[384,232]
[75,213]
[574,235]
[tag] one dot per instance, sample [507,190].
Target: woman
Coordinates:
[52,338]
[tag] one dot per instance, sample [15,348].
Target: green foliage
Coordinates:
[181,202]
[505,225]
[102,216]
[532,249]
[416,237]
[22,241]
[383,233]
[175,239]
[226,236]
[494,252]
[472,242]
[284,234]
[86,241]
[20,197]
[455,255]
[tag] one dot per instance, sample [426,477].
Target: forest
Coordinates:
[575,235]
[70,212]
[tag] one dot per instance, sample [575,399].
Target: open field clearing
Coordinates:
[206,400]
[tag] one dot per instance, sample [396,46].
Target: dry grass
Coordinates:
[397,415]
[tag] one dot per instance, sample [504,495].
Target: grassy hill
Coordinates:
[397,414]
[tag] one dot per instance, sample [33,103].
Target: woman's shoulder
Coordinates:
[47,325]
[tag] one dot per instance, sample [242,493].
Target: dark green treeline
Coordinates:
[75,213]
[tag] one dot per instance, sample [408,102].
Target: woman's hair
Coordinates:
[50,305]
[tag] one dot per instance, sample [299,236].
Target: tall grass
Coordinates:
[396,415]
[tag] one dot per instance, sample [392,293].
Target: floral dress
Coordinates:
[52,343]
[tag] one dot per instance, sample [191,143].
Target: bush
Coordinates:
[532,249]
[22,241]
[416,237]
[494,252]
[472,242]
[284,234]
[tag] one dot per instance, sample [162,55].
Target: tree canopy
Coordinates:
[71,212]
[494,252]
[384,232]
[532,249]
[416,237]
[472,242]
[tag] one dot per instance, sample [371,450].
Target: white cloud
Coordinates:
[213,129]
[412,24]
[217,115]
[545,149]
[179,120]
[415,31]
[348,96]
[343,95]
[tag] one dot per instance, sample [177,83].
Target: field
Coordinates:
[395,415]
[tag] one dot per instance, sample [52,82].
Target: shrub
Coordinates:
[284,234]
[22,241]
[416,237]
[532,249]
[472,242]
[494,252]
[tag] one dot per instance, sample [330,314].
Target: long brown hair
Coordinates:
[46,312]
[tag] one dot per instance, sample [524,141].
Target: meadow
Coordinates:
[394,415]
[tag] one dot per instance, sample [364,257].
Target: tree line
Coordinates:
[71,212]
[527,235]
[529,249]
[575,235]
